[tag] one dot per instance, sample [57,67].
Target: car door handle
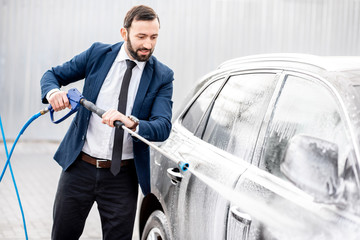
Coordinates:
[239,223]
[240,216]
[175,175]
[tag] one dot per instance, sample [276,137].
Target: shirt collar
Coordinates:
[122,56]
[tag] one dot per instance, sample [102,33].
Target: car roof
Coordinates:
[283,60]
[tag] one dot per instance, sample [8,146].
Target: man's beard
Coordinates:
[135,55]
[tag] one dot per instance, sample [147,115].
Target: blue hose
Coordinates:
[8,162]
[16,140]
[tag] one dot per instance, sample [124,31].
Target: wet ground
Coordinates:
[36,174]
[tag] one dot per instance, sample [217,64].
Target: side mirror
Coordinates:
[312,165]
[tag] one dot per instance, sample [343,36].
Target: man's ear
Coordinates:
[124,33]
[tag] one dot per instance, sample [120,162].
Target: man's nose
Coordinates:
[148,44]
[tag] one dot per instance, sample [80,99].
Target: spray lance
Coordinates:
[76,99]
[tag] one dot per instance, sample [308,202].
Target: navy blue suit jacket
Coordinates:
[152,106]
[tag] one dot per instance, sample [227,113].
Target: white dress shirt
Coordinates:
[100,137]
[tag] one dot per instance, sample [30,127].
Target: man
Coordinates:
[101,163]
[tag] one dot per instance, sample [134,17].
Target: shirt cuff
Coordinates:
[137,129]
[51,92]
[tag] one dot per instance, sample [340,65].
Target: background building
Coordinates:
[195,37]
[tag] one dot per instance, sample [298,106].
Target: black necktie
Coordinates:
[119,132]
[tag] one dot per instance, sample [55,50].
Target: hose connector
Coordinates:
[45,110]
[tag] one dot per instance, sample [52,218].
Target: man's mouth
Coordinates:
[144,51]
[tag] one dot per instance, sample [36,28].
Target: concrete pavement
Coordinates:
[36,174]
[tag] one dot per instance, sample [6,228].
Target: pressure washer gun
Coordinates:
[76,99]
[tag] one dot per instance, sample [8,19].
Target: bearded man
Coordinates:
[102,163]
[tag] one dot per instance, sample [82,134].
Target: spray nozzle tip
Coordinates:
[183,166]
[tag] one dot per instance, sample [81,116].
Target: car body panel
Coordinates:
[281,211]
[183,203]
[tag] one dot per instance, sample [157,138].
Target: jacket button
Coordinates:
[83,138]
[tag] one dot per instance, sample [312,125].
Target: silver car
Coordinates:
[273,147]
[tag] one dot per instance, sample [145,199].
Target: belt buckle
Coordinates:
[98,161]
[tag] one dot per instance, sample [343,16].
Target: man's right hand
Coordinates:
[59,101]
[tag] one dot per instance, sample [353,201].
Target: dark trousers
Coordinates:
[80,186]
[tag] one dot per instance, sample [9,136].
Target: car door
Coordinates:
[167,178]
[304,184]
[232,118]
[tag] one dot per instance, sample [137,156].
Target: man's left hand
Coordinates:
[112,115]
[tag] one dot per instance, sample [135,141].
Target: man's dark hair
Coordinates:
[140,13]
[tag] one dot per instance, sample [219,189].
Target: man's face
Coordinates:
[140,39]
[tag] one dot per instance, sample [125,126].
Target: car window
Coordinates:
[305,108]
[193,115]
[237,113]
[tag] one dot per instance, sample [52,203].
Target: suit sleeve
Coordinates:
[158,127]
[62,75]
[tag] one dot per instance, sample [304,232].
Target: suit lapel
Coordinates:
[143,86]
[104,69]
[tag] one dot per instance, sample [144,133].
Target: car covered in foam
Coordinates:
[273,147]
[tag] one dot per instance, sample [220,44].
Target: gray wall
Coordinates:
[195,37]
